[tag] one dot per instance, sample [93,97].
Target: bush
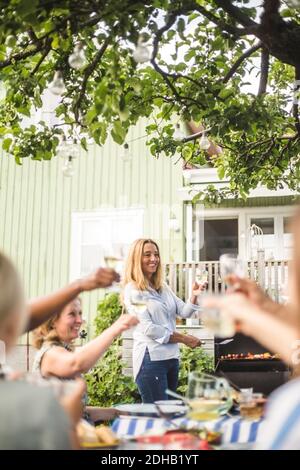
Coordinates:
[106,383]
[192,359]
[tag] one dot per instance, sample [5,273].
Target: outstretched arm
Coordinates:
[42,308]
[61,363]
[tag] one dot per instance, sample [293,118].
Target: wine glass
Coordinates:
[231,264]
[201,276]
[113,259]
[220,324]
[209,396]
[139,300]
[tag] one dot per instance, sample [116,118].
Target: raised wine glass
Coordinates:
[113,259]
[231,264]
[139,300]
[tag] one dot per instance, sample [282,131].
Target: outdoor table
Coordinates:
[234,428]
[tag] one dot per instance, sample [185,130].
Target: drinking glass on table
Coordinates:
[251,404]
[209,396]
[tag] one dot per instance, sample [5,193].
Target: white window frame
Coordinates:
[277,216]
[77,220]
[243,214]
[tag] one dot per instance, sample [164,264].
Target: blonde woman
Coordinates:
[57,356]
[155,339]
[30,416]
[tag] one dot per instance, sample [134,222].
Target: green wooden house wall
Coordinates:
[36,203]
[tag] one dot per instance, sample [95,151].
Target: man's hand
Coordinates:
[247,287]
[192,341]
[102,277]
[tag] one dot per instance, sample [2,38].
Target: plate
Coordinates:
[98,445]
[169,402]
[237,446]
[149,409]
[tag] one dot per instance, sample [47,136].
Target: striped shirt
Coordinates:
[282,425]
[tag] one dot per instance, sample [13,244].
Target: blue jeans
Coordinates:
[155,377]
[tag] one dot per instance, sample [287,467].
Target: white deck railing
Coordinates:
[270,275]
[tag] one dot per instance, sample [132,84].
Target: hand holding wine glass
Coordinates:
[201,282]
[138,300]
[231,264]
[113,259]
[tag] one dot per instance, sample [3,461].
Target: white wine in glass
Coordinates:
[218,323]
[201,276]
[139,301]
[111,262]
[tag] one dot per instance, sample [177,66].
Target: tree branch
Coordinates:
[217,21]
[43,57]
[87,73]
[264,67]
[296,98]
[237,13]
[171,20]
[240,60]
[21,56]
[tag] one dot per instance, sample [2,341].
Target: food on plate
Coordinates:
[86,432]
[182,438]
[89,436]
[106,435]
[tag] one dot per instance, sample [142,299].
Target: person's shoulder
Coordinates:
[289,394]
[20,391]
[33,400]
[31,417]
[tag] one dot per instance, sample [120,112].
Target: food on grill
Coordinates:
[249,356]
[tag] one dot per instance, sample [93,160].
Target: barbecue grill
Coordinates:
[247,364]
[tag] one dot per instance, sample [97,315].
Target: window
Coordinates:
[266,224]
[276,239]
[93,232]
[220,236]
[267,241]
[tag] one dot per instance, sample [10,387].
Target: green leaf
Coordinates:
[83,143]
[118,132]
[226,92]
[221,172]
[6,144]
[180,25]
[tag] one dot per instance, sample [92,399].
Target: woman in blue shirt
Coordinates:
[155,339]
